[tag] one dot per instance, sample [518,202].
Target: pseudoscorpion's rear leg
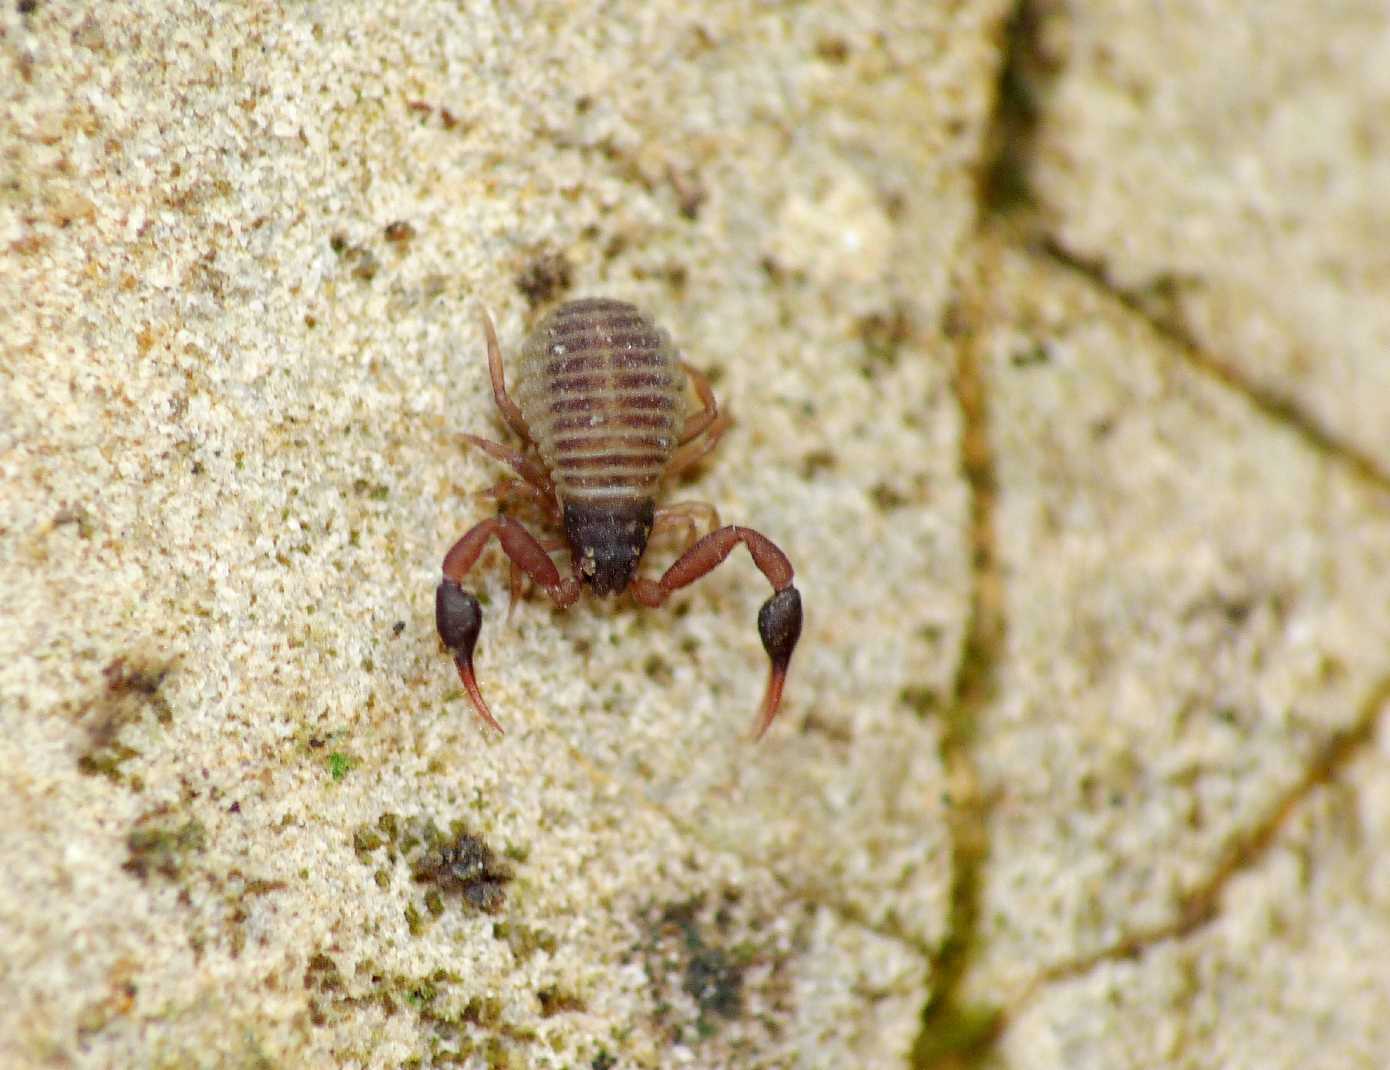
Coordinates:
[527,468]
[689,517]
[510,413]
[709,422]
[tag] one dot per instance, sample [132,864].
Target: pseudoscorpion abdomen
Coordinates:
[601,390]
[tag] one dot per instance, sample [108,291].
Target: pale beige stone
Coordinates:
[1292,975]
[230,391]
[1196,608]
[1228,165]
[229,469]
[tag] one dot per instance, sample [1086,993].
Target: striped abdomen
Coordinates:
[601,390]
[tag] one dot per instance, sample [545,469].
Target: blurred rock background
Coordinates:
[1054,336]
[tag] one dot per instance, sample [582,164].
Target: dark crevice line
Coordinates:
[951,1029]
[1009,190]
[1002,183]
[1247,849]
[1272,404]
[954,1032]
[1006,197]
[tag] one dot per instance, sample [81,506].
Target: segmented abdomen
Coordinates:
[600,387]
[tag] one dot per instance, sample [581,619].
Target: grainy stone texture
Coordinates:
[1226,166]
[1196,628]
[241,250]
[1292,975]
[250,818]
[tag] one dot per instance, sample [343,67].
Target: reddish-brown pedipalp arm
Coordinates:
[458,615]
[779,620]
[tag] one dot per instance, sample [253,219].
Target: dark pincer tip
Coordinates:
[779,625]
[459,618]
